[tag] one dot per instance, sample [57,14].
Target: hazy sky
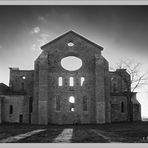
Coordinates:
[121,30]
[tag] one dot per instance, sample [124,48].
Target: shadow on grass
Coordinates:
[47,136]
[86,135]
[119,132]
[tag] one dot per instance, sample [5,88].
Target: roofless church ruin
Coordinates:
[70,84]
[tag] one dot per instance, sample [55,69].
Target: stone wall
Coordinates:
[120,88]
[15,107]
[117,114]
[21,81]
[104,92]
[47,74]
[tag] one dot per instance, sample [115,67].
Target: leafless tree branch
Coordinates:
[138,77]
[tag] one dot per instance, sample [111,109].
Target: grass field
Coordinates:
[136,132]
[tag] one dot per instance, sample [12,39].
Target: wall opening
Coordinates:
[71,63]
[85,108]
[72,109]
[58,106]
[23,86]
[60,81]
[70,44]
[71,81]
[71,99]
[23,77]
[10,109]
[21,118]
[82,80]
[30,104]
[122,107]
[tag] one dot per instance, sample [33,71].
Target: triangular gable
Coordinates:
[76,34]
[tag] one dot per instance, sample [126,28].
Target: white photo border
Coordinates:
[74,145]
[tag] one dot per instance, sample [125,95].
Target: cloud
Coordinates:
[42,19]
[41,40]
[1,47]
[35,47]
[36,30]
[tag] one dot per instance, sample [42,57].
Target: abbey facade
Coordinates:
[85,92]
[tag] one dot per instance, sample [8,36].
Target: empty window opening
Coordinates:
[71,99]
[82,80]
[71,63]
[70,44]
[72,109]
[11,109]
[23,77]
[22,86]
[30,104]
[58,106]
[71,81]
[21,118]
[122,107]
[85,108]
[60,81]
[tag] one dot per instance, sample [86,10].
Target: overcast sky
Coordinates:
[121,30]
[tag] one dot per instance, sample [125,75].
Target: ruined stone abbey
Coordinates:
[70,84]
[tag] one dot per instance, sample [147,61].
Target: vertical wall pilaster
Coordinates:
[43,89]
[34,114]
[107,97]
[100,89]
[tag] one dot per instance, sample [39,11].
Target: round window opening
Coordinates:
[71,63]
[70,44]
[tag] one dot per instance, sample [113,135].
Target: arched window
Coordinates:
[122,107]
[71,81]
[82,80]
[72,101]
[60,81]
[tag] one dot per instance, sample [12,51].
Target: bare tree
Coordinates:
[138,78]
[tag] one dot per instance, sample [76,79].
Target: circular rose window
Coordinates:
[71,63]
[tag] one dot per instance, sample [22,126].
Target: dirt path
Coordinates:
[21,136]
[73,134]
[61,135]
[65,136]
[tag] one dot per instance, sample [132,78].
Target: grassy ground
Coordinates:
[7,130]
[136,132]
